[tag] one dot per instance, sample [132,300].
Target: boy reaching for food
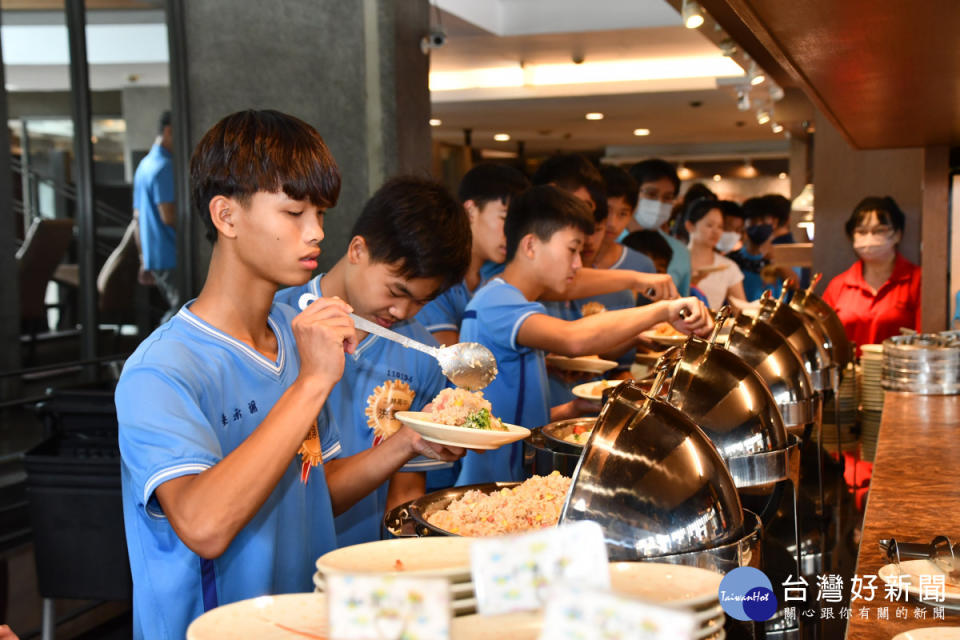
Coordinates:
[485,193]
[410,243]
[214,406]
[545,228]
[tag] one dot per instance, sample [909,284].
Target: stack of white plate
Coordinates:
[871,399]
[441,557]
[847,401]
[676,586]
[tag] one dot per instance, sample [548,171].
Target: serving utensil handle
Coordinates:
[372,327]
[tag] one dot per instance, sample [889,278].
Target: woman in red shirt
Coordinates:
[881,291]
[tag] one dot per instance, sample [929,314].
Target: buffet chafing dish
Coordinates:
[806,301]
[805,336]
[779,365]
[410,518]
[654,481]
[545,450]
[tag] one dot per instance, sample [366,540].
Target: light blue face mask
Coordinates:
[651,214]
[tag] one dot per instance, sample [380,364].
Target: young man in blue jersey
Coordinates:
[485,194]
[545,228]
[215,405]
[410,243]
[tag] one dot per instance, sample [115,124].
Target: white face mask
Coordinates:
[651,214]
[728,241]
[874,249]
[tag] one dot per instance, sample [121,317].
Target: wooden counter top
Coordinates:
[914,496]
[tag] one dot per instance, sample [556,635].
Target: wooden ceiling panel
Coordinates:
[885,72]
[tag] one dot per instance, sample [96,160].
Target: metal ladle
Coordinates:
[466,364]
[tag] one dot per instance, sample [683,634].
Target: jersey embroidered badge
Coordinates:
[390,397]
[311,452]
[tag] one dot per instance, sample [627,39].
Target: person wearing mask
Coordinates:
[658,186]
[880,292]
[715,275]
[696,191]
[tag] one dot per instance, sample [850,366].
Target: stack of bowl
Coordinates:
[447,558]
[844,408]
[871,398]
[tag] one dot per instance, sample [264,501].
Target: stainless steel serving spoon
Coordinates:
[466,364]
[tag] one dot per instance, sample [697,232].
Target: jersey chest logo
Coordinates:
[388,398]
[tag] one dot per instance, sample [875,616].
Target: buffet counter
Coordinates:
[914,496]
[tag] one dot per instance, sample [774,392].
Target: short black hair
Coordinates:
[570,172]
[886,208]
[419,226]
[543,210]
[650,243]
[772,204]
[652,170]
[620,184]
[251,151]
[729,208]
[489,182]
[164,121]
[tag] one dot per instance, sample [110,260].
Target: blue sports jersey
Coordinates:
[629,260]
[444,312]
[153,186]
[188,396]
[679,267]
[378,378]
[559,390]
[518,394]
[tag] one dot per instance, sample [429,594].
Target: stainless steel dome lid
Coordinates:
[806,301]
[777,363]
[653,480]
[805,336]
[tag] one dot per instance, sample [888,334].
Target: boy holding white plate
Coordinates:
[410,243]
[545,229]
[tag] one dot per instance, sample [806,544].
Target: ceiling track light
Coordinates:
[756,75]
[763,116]
[776,127]
[775,91]
[692,14]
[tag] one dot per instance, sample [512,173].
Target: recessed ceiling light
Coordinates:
[594,116]
[716,177]
[783,175]
[641,132]
[501,137]
[435,122]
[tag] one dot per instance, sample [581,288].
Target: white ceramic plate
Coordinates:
[521,626]
[659,338]
[670,585]
[447,557]
[915,569]
[458,590]
[420,422]
[584,364]
[930,633]
[594,390]
[292,616]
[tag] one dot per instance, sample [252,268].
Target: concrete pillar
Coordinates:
[354,70]
[9,289]
[915,177]
[141,109]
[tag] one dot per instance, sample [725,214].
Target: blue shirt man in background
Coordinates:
[153,208]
